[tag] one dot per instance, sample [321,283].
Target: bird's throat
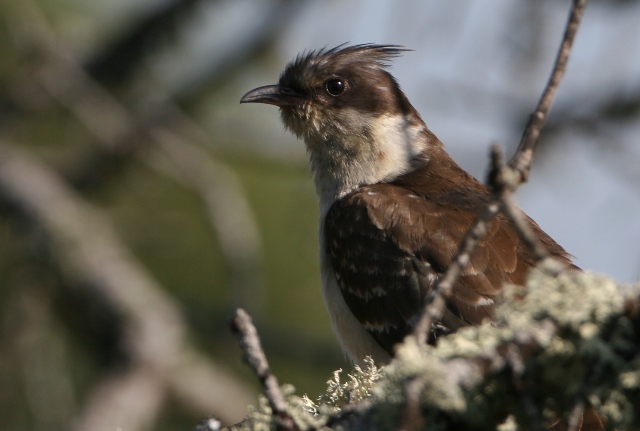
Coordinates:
[363,152]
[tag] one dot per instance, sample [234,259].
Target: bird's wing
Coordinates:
[388,247]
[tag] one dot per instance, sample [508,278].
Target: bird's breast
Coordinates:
[355,341]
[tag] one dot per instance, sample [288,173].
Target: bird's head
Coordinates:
[358,126]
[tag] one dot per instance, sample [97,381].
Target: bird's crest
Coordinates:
[360,56]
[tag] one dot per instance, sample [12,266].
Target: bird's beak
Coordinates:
[273,95]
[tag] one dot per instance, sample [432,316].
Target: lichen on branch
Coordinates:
[558,342]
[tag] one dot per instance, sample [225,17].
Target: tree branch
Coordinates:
[121,134]
[520,164]
[521,161]
[87,255]
[249,341]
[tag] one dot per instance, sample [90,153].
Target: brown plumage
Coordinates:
[393,205]
[404,234]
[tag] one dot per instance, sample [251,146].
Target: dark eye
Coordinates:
[335,86]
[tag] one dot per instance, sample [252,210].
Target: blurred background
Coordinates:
[140,203]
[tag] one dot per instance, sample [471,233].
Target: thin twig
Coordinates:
[245,331]
[436,300]
[521,164]
[503,181]
[521,161]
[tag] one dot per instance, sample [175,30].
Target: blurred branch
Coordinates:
[121,133]
[619,105]
[119,59]
[229,212]
[32,335]
[88,255]
[608,125]
[258,40]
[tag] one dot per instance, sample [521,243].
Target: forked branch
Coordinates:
[503,181]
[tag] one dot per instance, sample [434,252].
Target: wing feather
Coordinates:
[388,246]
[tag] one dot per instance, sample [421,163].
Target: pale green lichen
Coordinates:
[584,343]
[357,387]
[412,362]
[260,417]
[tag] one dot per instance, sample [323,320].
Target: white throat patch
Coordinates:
[382,153]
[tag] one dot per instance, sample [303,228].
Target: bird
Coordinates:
[394,206]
